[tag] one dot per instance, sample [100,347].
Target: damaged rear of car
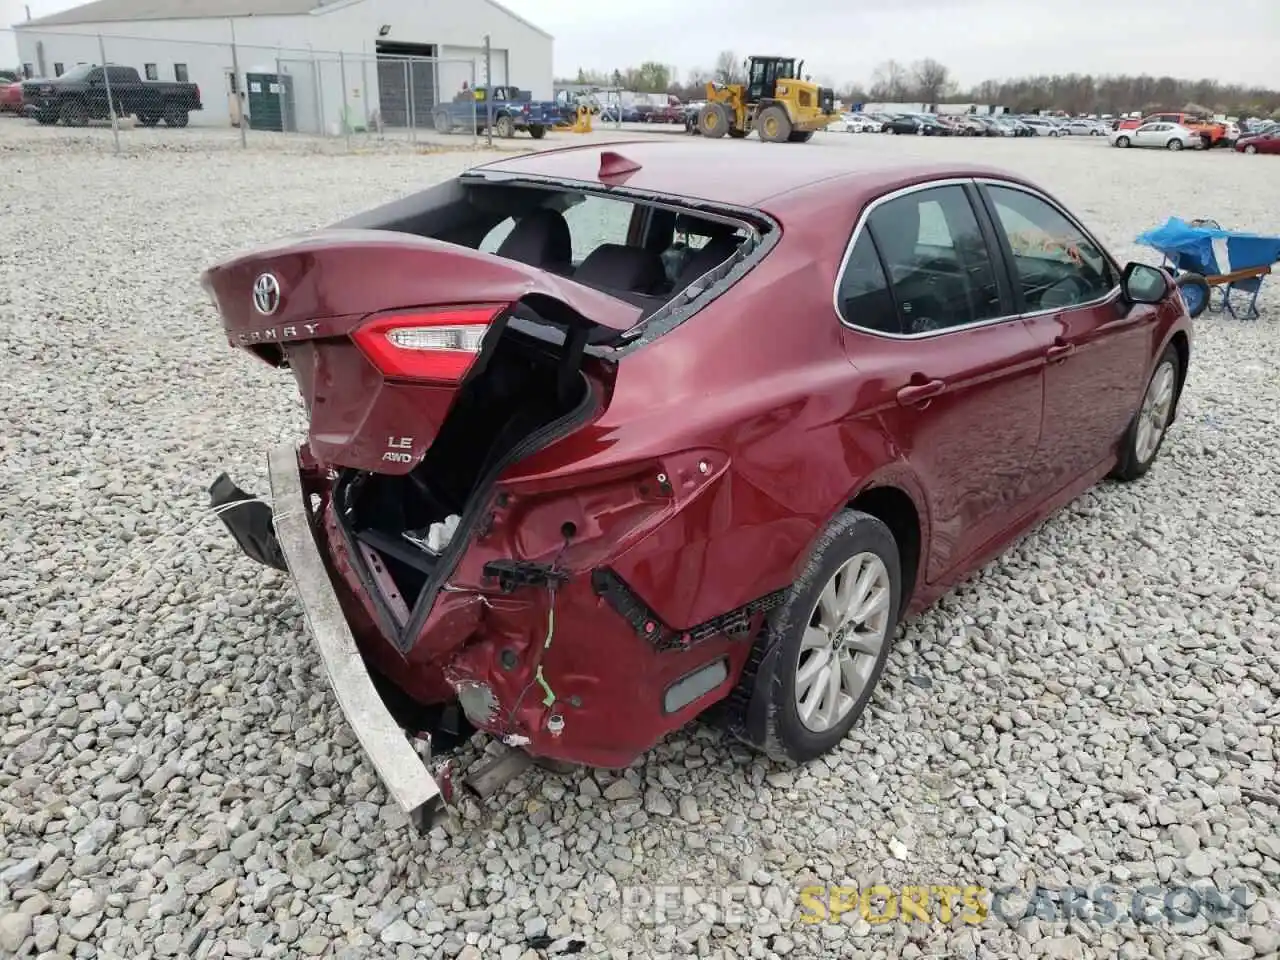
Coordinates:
[464,535]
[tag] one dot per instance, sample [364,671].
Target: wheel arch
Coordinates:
[897,510]
[1181,344]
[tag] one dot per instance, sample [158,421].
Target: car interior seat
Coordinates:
[618,267]
[541,239]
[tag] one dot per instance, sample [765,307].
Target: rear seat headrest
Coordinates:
[621,267]
[541,239]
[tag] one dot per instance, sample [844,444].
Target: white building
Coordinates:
[356,62]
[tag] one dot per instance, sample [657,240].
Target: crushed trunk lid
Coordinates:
[382,330]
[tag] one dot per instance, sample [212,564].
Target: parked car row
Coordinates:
[934,125]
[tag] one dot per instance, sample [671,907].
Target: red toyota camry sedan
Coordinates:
[604,440]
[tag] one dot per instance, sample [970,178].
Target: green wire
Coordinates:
[550,696]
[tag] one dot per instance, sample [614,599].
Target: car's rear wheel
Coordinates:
[149,119]
[823,651]
[505,127]
[537,132]
[440,120]
[176,116]
[1150,424]
[1250,148]
[1175,144]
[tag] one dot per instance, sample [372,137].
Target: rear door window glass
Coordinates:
[595,221]
[939,267]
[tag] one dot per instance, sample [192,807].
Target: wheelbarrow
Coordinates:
[1196,253]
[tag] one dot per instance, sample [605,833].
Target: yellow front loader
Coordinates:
[774,102]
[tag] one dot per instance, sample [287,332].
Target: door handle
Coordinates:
[914,393]
[1059,352]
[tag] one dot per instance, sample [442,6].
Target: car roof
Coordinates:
[763,175]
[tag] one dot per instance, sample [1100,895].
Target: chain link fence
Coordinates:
[131,83]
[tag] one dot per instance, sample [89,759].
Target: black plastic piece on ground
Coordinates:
[249,522]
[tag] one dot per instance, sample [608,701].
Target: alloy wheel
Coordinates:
[1153,418]
[845,634]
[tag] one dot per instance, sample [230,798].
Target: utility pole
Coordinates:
[111,105]
[488,90]
[241,99]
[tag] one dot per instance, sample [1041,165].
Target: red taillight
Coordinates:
[426,344]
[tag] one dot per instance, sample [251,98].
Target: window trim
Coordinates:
[1001,254]
[998,261]
[1006,251]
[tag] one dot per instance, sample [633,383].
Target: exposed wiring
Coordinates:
[549,695]
[539,678]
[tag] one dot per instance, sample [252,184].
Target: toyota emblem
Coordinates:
[266,294]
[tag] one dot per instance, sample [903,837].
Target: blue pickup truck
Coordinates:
[512,109]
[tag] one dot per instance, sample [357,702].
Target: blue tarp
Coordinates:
[1191,248]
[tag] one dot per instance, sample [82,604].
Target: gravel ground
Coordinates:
[1099,706]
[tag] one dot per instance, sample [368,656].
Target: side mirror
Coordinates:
[1143,283]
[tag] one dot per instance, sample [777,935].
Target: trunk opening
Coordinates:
[525,390]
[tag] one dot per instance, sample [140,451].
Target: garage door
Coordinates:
[406,89]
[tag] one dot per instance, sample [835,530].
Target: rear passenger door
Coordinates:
[944,368]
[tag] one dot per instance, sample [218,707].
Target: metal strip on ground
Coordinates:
[393,756]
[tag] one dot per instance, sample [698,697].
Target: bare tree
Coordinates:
[728,68]
[932,80]
[889,81]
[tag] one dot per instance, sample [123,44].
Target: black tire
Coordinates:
[800,136]
[736,134]
[46,119]
[713,121]
[148,119]
[771,720]
[440,120]
[504,126]
[773,125]
[176,116]
[537,132]
[74,114]
[1133,463]
[1174,144]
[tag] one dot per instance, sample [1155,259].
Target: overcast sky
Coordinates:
[843,40]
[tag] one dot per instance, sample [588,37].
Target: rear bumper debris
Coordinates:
[399,765]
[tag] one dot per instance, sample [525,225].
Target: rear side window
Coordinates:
[863,294]
[595,221]
[939,268]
